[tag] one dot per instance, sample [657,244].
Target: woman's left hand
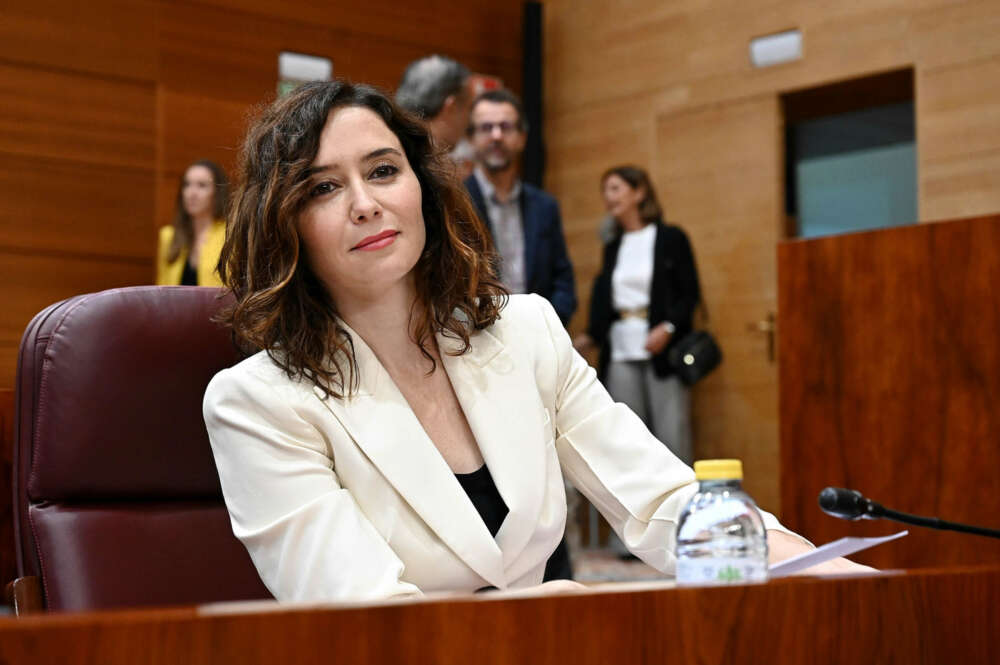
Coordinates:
[781,546]
[838,566]
[658,339]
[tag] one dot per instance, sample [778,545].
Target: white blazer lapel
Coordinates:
[508,420]
[384,426]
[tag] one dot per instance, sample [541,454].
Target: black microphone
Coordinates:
[853,505]
[846,504]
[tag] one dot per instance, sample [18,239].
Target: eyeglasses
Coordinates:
[505,127]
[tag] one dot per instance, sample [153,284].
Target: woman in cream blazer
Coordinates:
[370,509]
[392,365]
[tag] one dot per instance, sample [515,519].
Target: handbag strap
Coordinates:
[702,307]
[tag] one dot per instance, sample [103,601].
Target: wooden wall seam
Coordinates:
[69,69]
[58,254]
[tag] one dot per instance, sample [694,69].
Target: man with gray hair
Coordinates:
[436,89]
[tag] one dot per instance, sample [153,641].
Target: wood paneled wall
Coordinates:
[621,76]
[104,103]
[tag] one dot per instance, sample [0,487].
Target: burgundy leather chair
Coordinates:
[117,499]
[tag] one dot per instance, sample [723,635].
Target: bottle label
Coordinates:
[721,570]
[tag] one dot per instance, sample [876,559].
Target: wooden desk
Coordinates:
[927,616]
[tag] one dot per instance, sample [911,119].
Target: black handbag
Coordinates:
[694,356]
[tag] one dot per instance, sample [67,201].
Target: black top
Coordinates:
[485,497]
[190,276]
[674,293]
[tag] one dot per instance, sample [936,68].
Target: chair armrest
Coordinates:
[24,595]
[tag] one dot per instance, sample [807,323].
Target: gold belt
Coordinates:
[639,313]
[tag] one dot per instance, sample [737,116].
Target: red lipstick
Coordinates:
[377,241]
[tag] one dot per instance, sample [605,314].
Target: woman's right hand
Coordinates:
[561,586]
[583,342]
[553,588]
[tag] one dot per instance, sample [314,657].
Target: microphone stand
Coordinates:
[931,522]
[852,505]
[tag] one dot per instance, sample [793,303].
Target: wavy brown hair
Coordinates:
[183,224]
[280,304]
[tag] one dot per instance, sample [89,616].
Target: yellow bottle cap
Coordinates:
[718,469]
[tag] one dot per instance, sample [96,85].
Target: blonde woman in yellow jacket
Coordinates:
[189,247]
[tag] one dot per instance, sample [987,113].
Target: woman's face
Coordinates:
[620,198]
[362,226]
[197,191]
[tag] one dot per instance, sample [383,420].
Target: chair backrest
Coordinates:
[117,499]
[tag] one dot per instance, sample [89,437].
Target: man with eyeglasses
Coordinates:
[524,220]
[525,223]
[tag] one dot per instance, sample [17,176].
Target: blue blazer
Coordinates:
[546,261]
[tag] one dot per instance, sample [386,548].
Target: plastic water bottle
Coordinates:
[720,535]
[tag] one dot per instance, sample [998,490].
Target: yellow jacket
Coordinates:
[168,273]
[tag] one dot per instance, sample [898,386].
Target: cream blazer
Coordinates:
[348,499]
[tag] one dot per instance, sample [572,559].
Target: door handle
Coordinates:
[769,327]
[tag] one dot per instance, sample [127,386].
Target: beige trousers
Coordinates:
[663,404]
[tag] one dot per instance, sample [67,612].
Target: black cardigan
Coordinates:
[674,293]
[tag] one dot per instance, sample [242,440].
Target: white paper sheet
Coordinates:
[842,547]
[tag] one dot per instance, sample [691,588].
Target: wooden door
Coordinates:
[719,174]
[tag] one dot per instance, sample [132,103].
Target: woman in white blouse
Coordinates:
[642,303]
